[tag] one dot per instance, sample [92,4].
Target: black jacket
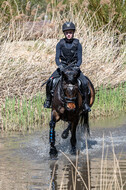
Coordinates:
[68,51]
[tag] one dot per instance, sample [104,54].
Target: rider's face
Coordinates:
[69,34]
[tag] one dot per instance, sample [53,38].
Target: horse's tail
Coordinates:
[84,122]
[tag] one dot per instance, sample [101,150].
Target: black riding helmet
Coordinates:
[68,26]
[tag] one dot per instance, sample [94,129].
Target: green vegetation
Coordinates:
[12,8]
[29,114]
[27,55]
[109,101]
[101,11]
[21,115]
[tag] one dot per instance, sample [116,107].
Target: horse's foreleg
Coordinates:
[53,152]
[73,137]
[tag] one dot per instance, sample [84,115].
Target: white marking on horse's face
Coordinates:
[70,86]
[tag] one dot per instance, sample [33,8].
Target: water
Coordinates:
[25,162]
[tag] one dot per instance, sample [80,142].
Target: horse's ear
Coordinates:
[63,73]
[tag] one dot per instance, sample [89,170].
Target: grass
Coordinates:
[22,115]
[109,101]
[28,114]
[27,60]
[101,11]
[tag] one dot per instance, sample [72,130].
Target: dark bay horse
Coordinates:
[67,106]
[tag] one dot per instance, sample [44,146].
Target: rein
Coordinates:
[69,100]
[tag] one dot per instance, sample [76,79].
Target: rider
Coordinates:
[68,51]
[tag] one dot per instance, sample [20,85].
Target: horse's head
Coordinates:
[70,87]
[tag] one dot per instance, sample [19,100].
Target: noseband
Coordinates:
[67,99]
[70,100]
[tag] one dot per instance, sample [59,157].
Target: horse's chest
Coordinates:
[68,115]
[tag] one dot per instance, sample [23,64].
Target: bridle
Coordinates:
[70,100]
[66,99]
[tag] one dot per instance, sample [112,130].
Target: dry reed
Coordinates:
[26,63]
[107,177]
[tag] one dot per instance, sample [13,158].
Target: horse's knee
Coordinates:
[65,134]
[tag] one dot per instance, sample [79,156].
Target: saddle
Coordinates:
[54,84]
[56,80]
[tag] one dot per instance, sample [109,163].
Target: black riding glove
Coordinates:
[76,67]
[60,68]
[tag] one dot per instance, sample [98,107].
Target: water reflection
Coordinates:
[25,162]
[22,174]
[65,176]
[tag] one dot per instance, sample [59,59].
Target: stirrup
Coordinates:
[47,104]
[87,107]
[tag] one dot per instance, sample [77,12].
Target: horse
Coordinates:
[67,106]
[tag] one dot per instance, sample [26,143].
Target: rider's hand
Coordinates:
[76,67]
[61,68]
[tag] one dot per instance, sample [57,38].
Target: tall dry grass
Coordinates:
[27,52]
[25,64]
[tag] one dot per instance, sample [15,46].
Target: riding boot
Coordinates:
[85,93]
[47,103]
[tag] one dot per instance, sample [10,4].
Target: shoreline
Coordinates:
[27,114]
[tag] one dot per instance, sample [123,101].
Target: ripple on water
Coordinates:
[25,162]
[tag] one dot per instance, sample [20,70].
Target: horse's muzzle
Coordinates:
[70,103]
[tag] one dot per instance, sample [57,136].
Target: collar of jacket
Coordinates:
[69,40]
